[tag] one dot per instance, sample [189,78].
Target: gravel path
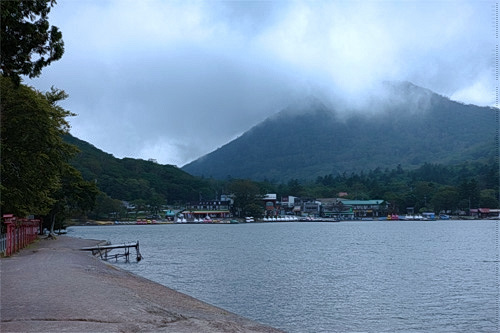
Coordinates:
[52,286]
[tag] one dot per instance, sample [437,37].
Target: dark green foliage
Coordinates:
[75,197]
[35,175]
[247,196]
[314,140]
[32,150]
[108,208]
[133,179]
[431,186]
[147,185]
[28,42]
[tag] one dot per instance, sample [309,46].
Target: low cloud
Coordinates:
[174,80]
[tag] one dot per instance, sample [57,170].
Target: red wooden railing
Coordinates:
[20,233]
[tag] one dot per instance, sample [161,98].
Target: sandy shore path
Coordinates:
[52,286]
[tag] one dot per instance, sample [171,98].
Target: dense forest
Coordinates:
[145,185]
[431,187]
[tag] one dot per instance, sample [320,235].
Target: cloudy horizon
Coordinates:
[173,81]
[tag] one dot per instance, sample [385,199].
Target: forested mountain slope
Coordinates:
[134,179]
[408,127]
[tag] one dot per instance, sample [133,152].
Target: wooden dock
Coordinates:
[103,251]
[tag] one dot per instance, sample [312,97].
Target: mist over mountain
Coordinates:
[401,124]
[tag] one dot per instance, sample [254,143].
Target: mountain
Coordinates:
[133,179]
[405,125]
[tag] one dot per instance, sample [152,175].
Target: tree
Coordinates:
[36,177]
[28,42]
[74,196]
[469,190]
[246,196]
[423,193]
[253,209]
[446,198]
[107,207]
[295,188]
[488,199]
[32,150]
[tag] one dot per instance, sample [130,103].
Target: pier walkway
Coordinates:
[52,286]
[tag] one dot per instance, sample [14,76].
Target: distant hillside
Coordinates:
[408,126]
[132,179]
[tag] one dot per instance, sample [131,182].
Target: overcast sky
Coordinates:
[174,80]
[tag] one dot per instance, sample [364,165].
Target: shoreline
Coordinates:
[53,286]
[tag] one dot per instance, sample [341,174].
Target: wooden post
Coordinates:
[20,233]
[9,222]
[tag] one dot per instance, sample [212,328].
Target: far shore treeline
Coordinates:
[148,186]
[47,173]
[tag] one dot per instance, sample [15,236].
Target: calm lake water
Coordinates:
[397,276]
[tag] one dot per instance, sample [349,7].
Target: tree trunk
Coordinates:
[52,224]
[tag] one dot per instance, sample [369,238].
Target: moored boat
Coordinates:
[428,216]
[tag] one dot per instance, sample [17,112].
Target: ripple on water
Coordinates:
[329,277]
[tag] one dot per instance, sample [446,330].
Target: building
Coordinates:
[288,202]
[366,208]
[212,209]
[485,213]
[311,208]
[271,205]
[334,208]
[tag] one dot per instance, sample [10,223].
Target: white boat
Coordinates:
[181,220]
[413,218]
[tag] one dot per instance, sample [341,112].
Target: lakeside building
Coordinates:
[323,207]
[334,208]
[212,209]
[484,213]
[367,208]
[288,202]
[169,214]
[311,207]
[339,208]
[290,205]
[271,205]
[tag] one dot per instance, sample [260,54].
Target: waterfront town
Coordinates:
[290,208]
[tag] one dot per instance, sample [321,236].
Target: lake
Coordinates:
[372,276]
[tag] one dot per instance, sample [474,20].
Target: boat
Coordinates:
[181,220]
[444,217]
[249,219]
[428,216]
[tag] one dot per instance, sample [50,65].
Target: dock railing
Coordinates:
[103,251]
[20,232]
